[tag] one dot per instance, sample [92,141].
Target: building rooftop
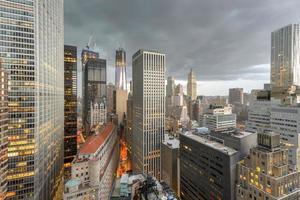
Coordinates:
[211,143]
[171,142]
[73,183]
[93,142]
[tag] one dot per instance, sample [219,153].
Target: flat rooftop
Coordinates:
[210,143]
[171,142]
[93,142]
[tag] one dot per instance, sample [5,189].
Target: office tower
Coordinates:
[179,89]
[148,69]
[94,167]
[236,96]
[207,168]
[110,98]
[128,133]
[285,62]
[170,162]
[170,91]
[120,100]
[70,127]
[93,85]
[120,79]
[218,117]
[32,53]
[3,132]
[192,85]
[286,122]
[265,173]
[259,112]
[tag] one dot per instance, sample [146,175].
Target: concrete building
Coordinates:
[3,132]
[207,168]
[120,75]
[70,126]
[285,62]
[94,167]
[32,53]
[236,96]
[141,187]
[241,141]
[285,120]
[218,117]
[192,85]
[265,173]
[128,134]
[148,70]
[93,85]
[120,99]
[170,162]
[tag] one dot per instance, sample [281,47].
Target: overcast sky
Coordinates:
[226,42]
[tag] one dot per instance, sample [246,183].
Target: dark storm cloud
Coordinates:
[219,39]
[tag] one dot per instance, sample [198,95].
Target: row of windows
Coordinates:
[25,2]
[16,17]
[17,34]
[16,39]
[16,11]
[16,28]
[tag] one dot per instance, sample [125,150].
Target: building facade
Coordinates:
[265,173]
[34,63]
[285,62]
[94,167]
[192,85]
[120,76]
[3,133]
[236,96]
[170,89]
[93,85]
[207,168]
[148,69]
[70,126]
[98,114]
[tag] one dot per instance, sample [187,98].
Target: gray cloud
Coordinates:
[219,39]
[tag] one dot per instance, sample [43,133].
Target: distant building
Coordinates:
[120,74]
[110,98]
[3,132]
[236,96]
[218,117]
[170,162]
[70,127]
[94,167]
[285,62]
[207,168]
[265,173]
[148,73]
[98,114]
[141,187]
[192,85]
[93,84]
[128,134]
[120,99]
[170,89]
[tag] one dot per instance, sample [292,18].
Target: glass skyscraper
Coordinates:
[120,76]
[70,128]
[148,70]
[31,49]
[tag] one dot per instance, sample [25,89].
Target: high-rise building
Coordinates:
[192,85]
[170,91]
[110,98]
[120,99]
[70,128]
[207,168]
[3,133]
[265,173]
[93,85]
[236,96]
[120,76]
[285,62]
[148,69]
[32,51]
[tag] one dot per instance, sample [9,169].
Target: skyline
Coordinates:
[233,39]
